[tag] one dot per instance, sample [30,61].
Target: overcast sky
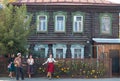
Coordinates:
[117,1]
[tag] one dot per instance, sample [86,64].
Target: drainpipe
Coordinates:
[97,56]
[97,51]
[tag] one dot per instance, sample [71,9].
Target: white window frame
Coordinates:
[58,29]
[39,46]
[106,24]
[38,25]
[59,46]
[78,27]
[77,46]
[25,20]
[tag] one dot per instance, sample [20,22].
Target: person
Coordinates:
[18,65]
[11,66]
[50,67]
[30,62]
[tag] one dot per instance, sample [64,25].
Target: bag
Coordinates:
[15,64]
[9,65]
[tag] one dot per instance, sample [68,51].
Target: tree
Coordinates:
[14,29]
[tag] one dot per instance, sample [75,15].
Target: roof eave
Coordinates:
[59,4]
[107,40]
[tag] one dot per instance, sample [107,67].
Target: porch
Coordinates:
[108,49]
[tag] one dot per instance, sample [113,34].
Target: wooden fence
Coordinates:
[82,68]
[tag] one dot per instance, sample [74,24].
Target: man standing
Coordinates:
[18,65]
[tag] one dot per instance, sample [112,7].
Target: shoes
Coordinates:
[49,78]
[10,76]
[18,80]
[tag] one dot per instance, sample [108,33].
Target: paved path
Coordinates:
[60,79]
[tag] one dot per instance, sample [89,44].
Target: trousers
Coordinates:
[19,72]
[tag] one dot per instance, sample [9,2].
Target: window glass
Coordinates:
[59,53]
[78,24]
[60,23]
[77,53]
[106,24]
[42,23]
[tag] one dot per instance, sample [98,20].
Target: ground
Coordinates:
[60,79]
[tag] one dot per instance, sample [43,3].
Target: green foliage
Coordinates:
[14,30]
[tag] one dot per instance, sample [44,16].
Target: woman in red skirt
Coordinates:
[50,67]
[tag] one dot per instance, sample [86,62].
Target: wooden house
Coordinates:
[75,29]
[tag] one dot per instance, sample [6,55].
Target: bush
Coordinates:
[77,68]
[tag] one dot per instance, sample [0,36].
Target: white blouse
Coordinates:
[49,60]
[30,61]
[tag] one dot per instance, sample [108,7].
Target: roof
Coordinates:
[86,1]
[65,2]
[106,40]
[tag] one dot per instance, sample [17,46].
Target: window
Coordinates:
[105,24]
[78,24]
[59,50]
[59,53]
[59,23]
[60,19]
[40,50]
[26,18]
[77,51]
[42,23]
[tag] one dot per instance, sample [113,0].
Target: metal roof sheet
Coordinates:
[106,40]
[64,2]
[80,1]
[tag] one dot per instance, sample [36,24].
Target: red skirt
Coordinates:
[50,67]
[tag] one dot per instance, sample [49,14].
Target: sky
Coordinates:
[117,1]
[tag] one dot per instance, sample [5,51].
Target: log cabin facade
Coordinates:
[75,29]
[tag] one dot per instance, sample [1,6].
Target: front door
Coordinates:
[114,55]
